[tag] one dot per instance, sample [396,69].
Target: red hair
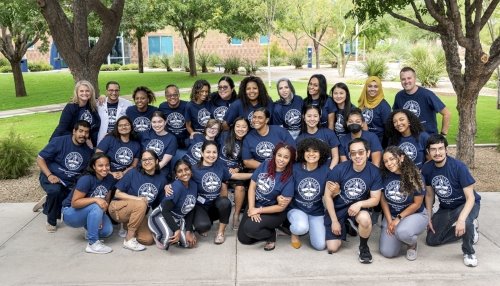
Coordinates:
[287,173]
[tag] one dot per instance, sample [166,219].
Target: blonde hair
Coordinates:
[92,102]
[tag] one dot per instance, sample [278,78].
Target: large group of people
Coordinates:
[317,166]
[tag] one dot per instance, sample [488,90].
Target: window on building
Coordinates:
[264,40]
[235,41]
[160,45]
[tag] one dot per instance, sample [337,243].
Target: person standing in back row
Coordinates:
[422,102]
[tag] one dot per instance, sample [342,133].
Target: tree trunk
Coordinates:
[466,105]
[140,54]
[316,52]
[18,79]
[192,59]
[90,74]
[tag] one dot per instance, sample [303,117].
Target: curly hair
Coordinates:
[315,144]
[263,100]
[287,173]
[394,136]
[197,87]
[149,93]
[411,179]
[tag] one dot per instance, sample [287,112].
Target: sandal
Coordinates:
[270,245]
[219,239]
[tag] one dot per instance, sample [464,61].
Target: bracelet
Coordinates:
[49,175]
[444,134]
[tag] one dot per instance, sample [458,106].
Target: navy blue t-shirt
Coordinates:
[111,110]
[236,109]
[184,198]
[137,184]
[367,135]
[328,108]
[377,117]
[141,120]
[260,147]
[424,104]
[176,122]
[161,144]
[193,154]
[198,115]
[219,106]
[449,181]
[65,159]
[397,200]
[269,188]
[92,187]
[233,160]
[209,180]
[122,153]
[324,134]
[354,186]
[289,116]
[309,187]
[414,148]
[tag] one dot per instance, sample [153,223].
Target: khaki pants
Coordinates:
[133,214]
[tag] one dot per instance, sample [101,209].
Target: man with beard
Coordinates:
[450,180]
[110,108]
[60,163]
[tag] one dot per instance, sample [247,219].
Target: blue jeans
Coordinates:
[301,223]
[92,218]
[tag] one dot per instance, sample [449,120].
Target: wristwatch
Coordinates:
[399,217]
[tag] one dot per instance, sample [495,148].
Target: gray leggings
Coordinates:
[407,232]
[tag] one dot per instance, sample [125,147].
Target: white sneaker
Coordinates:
[122,232]
[98,247]
[412,253]
[476,233]
[470,260]
[133,244]
[40,203]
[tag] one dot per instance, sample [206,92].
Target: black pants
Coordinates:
[220,210]
[56,193]
[251,232]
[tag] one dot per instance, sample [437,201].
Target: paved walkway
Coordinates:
[444,86]
[31,256]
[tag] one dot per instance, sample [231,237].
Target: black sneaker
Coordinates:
[365,256]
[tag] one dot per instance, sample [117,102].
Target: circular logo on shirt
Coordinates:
[339,124]
[393,194]
[210,182]
[196,151]
[309,189]
[368,115]
[249,117]
[264,149]
[412,106]
[265,184]
[149,191]
[73,161]
[156,145]
[188,204]
[124,156]
[220,112]
[292,117]
[99,192]
[354,188]
[203,116]
[441,186]
[236,151]
[175,120]
[409,149]
[87,116]
[142,124]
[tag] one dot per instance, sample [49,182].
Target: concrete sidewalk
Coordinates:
[29,255]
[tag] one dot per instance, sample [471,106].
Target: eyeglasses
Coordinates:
[435,150]
[123,125]
[223,87]
[172,95]
[113,90]
[359,152]
[148,159]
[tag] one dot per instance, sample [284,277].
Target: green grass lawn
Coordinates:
[57,87]
[37,128]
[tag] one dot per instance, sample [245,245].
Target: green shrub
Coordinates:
[355,82]
[251,67]
[111,67]
[497,137]
[39,66]
[203,60]
[180,61]
[275,62]
[5,69]
[165,62]
[154,62]
[297,60]
[16,156]
[375,66]
[231,65]
[129,67]
[429,64]
[4,62]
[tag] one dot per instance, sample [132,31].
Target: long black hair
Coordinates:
[204,146]
[303,125]
[90,170]
[393,135]
[155,156]
[323,95]
[230,140]
[132,136]
[347,104]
